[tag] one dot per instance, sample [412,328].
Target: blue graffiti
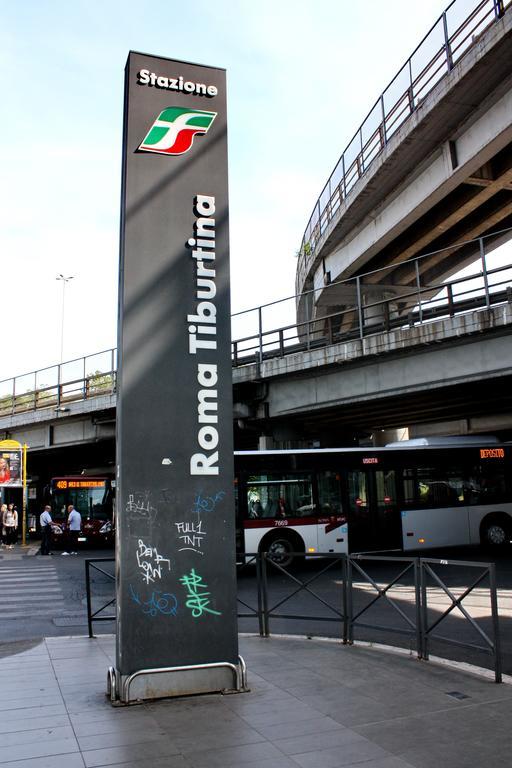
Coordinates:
[163,603]
[207,503]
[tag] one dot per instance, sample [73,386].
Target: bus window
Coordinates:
[486,485]
[429,488]
[329,497]
[277,497]
[357,490]
[409,487]
[386,491]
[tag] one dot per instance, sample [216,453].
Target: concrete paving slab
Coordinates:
[72,760]
[312,704]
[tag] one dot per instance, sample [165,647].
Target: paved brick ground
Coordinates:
[311,704]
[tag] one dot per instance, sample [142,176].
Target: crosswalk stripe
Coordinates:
[35,596]
[21,566]
[48,566]
[40,577]
[29,598]
[31,606]
[13,565]
[27,572]
[20,589]
[35,592]
[23,570]
[50,576]
[17,580]
[23,580]
[26,586]
[18,614]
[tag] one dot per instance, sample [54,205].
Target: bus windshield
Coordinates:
[92,498]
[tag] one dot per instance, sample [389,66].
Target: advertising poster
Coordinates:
[11,468]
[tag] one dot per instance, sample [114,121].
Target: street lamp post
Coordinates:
[64,280]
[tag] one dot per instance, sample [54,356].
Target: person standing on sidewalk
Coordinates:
[3,532]
[10,523]
[74,526]
[45,520]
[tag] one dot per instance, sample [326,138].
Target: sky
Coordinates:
[301,78]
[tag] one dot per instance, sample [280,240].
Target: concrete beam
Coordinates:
[421,371]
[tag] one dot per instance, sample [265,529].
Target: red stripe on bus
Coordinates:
[282,522]
[279,522]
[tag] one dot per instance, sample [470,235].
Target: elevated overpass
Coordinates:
[384,332]
[447,369]
[429,169]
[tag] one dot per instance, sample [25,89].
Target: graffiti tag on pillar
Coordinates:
[150,562]
[139,506]
[198,598]
[163,603]
[207,503]
[191,536]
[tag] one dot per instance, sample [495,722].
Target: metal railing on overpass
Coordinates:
[59,385]
[450,38]
[368,305]
[377,302]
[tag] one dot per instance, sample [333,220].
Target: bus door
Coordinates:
[332,522]
[374,522]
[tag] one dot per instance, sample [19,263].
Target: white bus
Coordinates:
[414,495]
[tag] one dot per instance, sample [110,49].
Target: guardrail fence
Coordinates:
[409,625]
[336,611]
[251,612]
[97,614]
[485,572]
[413,596]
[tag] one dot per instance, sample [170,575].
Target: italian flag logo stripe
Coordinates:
[174,130]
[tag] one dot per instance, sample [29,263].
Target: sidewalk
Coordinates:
[312,703]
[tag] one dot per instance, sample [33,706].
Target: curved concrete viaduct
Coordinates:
[443,178]
[452,376]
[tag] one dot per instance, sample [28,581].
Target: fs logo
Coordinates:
[173,131]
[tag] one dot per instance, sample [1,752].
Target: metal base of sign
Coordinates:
[165,682]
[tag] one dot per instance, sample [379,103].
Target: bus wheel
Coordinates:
[495,532]
[280,550]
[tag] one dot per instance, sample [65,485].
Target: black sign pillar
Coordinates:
[176,581]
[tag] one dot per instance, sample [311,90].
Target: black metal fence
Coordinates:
[409,596]
[98,614]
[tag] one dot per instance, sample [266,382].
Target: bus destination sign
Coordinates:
[64,484]
[492,453]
